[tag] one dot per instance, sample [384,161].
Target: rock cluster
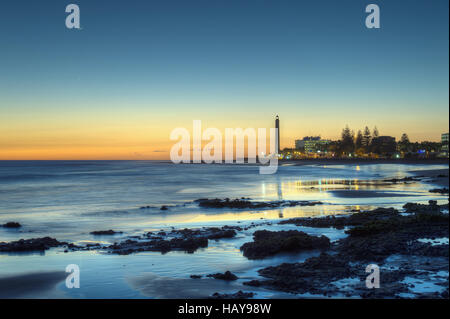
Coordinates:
[266,243]
[34,244]
[227,275]
[248,204]
[11,225]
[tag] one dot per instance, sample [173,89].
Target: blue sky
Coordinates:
[228,62]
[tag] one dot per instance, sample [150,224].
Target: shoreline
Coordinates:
[266,265]
[319,161]
[437,177]
[360,161]
[407,244]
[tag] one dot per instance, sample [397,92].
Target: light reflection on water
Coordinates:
[319,188]
[67,201]
[156,275]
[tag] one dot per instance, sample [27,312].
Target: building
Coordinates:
[277,127]
[311,144]
[444,142]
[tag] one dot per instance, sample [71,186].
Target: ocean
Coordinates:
[69,199]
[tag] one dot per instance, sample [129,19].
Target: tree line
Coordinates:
[366,142]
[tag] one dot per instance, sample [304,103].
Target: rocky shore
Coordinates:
[188,240]
[34,244]
[266,243]
[374,237]
[406,244]
[11,225]
[246,203]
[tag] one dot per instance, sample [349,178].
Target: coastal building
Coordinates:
[277,127]
[311,144]
[444,142]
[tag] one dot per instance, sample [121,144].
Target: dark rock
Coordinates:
[34,244]
[439,190]
[146,207]
[253,283]
[404,179]
[268,243]
[225,276]
[105,232]
[414,207]
[247,204]
[238,295]
[377,239]
[189,244]
[164,207]
[309,276]
[374,236]
[420,223]
[209,233]
[12,225]
[196,276]
[355,219]
[217,233]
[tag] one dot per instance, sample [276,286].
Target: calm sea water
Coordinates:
[72,197]
[69,199]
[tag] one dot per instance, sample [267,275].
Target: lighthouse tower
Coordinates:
[277,127]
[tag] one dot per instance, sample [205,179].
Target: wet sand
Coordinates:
[434,176]
[30,285]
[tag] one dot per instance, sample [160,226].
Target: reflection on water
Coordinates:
[68,200]
[286,212]
[299,189]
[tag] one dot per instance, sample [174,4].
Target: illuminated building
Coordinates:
[311,144]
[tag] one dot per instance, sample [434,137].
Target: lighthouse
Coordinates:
[277,128]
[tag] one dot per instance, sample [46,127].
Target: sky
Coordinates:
[136,70]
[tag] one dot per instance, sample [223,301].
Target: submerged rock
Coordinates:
[355,219]
[237,295]
[105,232]
[439,190]
[253,283]
[404,179]
[209,232]
[378,239]
[225,276]
[146,207]
[189,245]
[419,224]
[328,275]
[267,243]
[309,276]
[12,225]
[34,244]
[415,207]
[245,203]
[373,237]
[186,239]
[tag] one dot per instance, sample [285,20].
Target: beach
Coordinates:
[437,177]
[159,230]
